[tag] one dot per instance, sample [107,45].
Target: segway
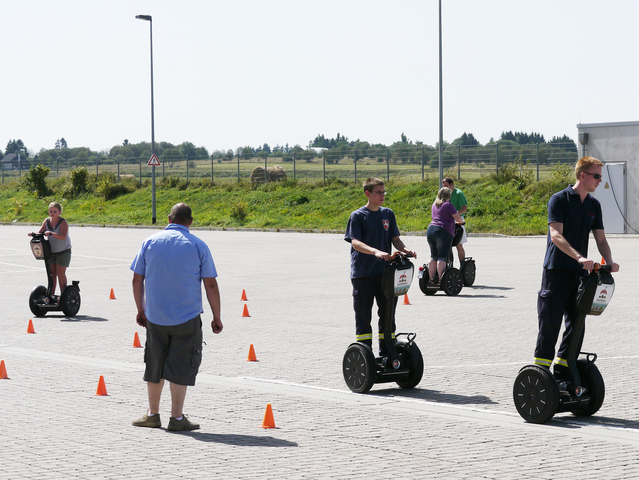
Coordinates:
[403,362]
[453,280]
[41,299]
[538,395]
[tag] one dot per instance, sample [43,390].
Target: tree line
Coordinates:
[338,146]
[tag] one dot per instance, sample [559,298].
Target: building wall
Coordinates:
[617,142]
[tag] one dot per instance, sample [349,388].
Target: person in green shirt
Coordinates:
[458,199]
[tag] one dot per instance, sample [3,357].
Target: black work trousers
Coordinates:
[366,290]
[557,299]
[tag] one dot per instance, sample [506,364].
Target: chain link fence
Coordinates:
[409,163]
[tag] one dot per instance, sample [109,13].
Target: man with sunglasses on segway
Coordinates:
[572,214]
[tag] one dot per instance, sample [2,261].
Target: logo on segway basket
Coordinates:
[37,250]
[386,224]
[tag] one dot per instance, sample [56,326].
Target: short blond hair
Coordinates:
[56,205]
[584,164]
[443,196]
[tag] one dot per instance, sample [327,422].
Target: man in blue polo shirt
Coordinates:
[170,268]
[572,214]
[371,231]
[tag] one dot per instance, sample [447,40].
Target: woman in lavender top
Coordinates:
[440,233]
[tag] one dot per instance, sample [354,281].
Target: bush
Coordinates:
[79,181]
[36,180]
[109,188]
[239,211]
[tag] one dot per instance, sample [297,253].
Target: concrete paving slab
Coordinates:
[459,422]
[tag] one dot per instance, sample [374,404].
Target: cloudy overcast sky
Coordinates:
[248,72]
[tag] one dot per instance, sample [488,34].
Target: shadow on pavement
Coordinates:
[435,396]
[577,422]
[81,318]
[240,440]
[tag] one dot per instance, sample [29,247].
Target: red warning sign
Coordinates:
[153,160]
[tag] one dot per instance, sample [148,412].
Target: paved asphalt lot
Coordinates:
[459,422]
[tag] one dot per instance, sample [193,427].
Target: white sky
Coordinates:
[245,72]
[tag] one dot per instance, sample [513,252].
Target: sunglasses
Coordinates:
[597,176]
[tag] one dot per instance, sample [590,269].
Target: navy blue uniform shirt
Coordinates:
[578,219]
[375,229]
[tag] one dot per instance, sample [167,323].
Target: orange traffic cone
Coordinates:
[603,261]
[101,388]
[406,300]
[251,355]
[269,421]
[244,299]
[136,341]
[30,328]
[112,296]
[245,312]
[3,371]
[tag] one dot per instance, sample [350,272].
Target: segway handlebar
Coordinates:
[599,268]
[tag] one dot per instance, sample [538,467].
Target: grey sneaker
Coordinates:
[182,425]
[146,420]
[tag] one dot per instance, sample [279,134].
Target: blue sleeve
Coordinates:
[353,228]
[556,209]
[598,224]
[394,228]
[139,263]
[207,266]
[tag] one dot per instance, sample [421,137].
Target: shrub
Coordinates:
[109,188]
[239,211]
[79,180]
[36,180]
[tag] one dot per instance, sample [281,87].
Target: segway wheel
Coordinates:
[452,282]
[536,394]
[37,298]
[423,286]
[411,356]
[359,368]
[593,381]
[468,273]
[70,301]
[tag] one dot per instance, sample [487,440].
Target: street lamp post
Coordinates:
[441,102]
[150,20]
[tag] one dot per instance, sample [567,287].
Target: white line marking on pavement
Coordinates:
[412,406]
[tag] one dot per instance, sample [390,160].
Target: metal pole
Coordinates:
[324,165]
[388,164]
[537,161]
[355,165]
[441,102]
[150,20]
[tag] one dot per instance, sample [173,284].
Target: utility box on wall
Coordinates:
[611,192]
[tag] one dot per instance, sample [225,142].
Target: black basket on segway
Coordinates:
[40,247]
[397,277]
[595,292]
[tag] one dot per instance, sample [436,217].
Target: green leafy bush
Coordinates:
[36,180]
[109,188]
